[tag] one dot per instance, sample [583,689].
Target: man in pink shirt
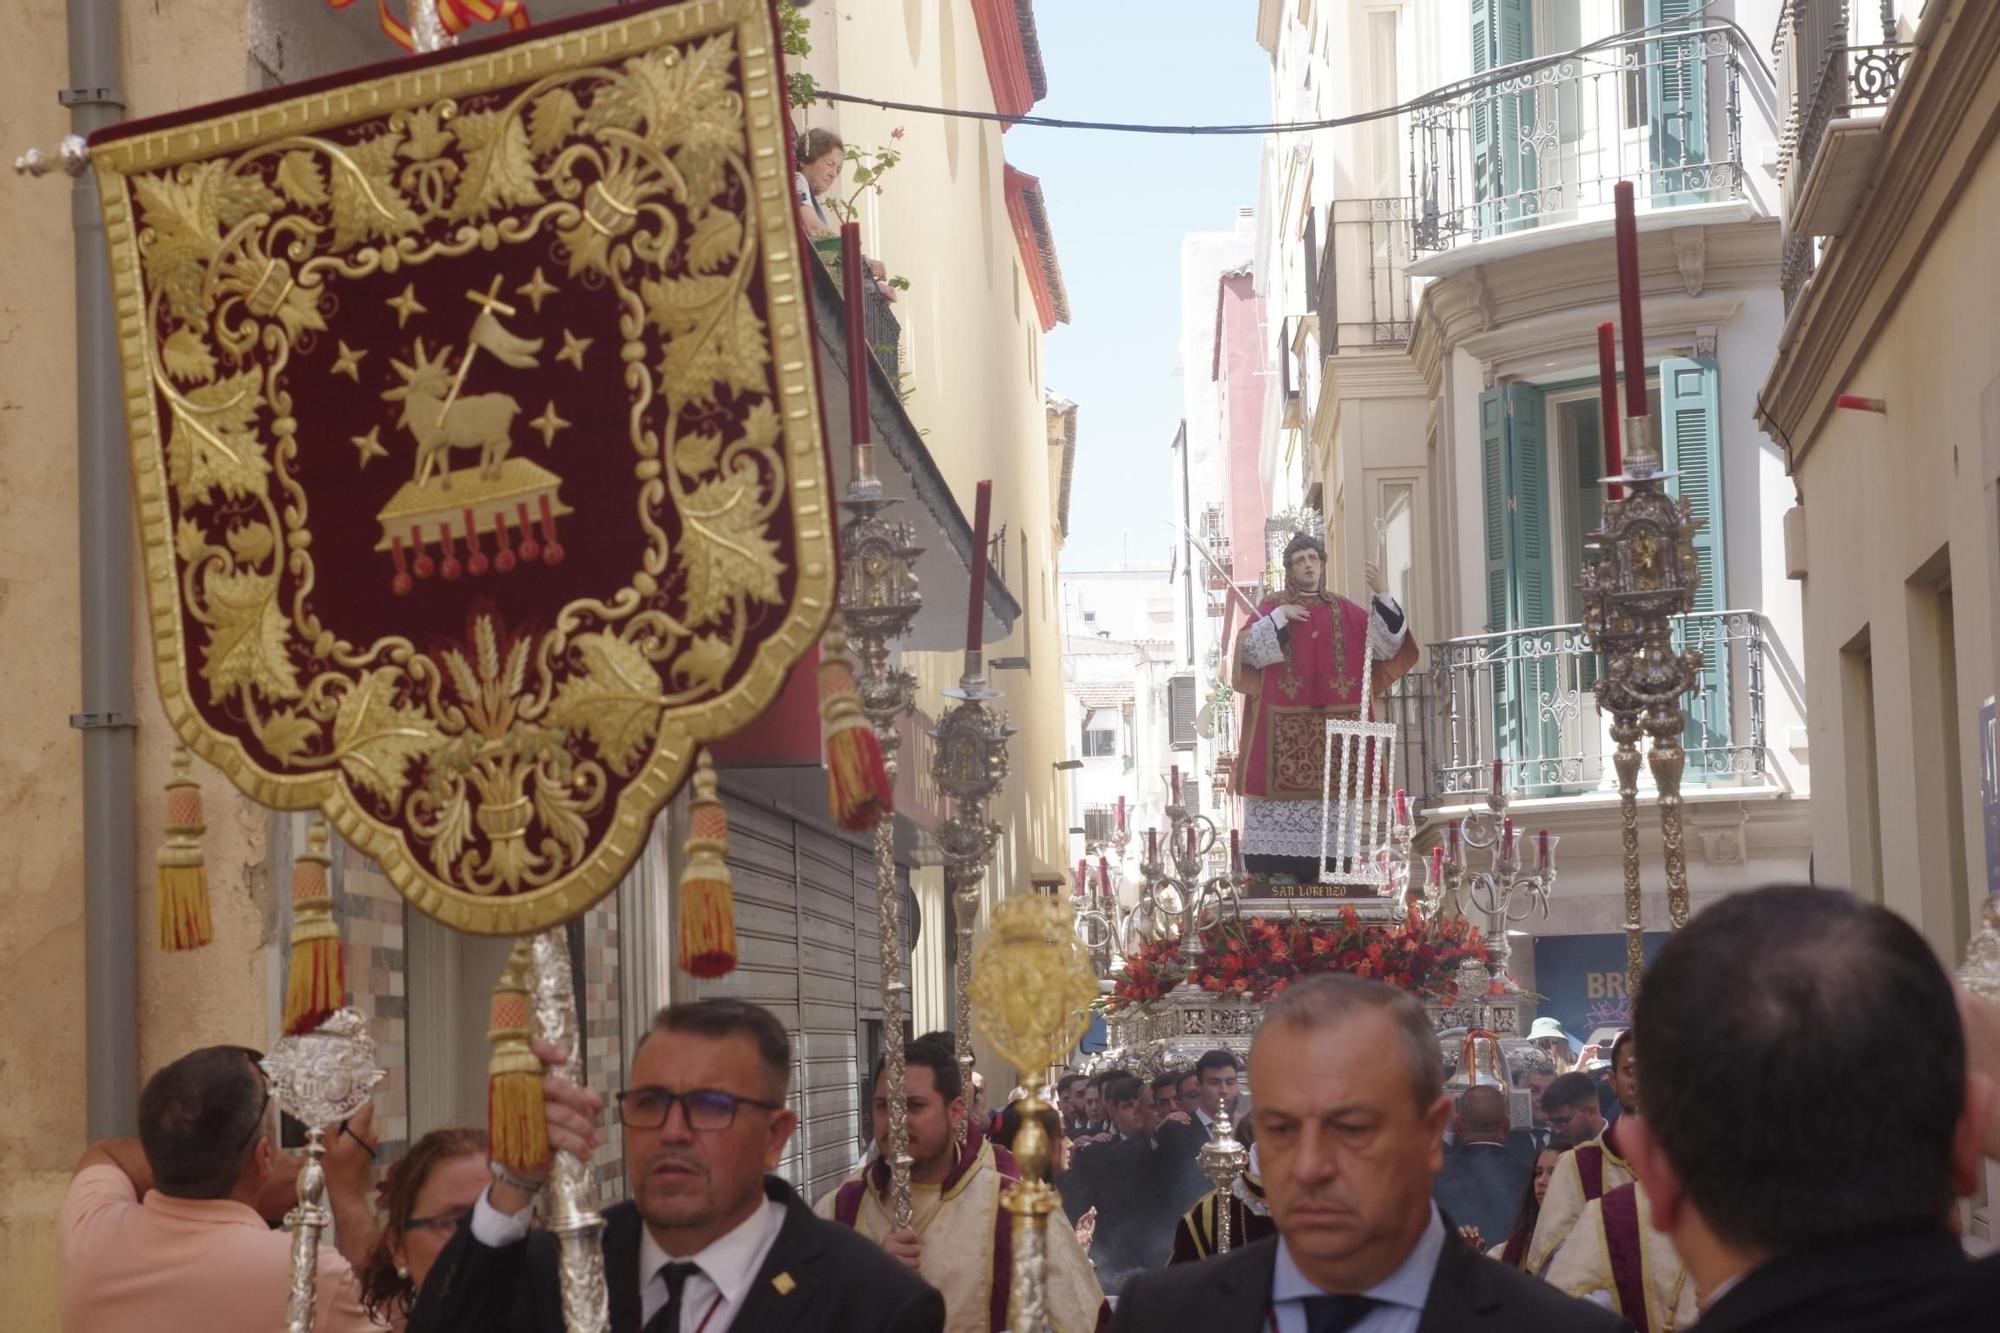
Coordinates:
[172,1231]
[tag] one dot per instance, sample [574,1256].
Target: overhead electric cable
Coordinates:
[1435,97]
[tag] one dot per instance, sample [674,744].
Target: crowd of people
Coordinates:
[1780,1142]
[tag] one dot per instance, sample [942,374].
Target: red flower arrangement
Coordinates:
[1257,958]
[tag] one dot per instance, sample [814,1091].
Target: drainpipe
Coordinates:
[104,501]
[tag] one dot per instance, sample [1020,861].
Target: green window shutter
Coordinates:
[1537,678]
[1482,110]
[1502,166]
[1495,490]
[1493,482]
[1587,466]
[1691,424]
[1676,108]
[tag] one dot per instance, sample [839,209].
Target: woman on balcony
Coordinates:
[821,154]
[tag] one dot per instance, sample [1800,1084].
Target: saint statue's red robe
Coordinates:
[1288,702]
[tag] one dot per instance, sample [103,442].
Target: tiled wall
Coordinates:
[371,922]
[604,1049]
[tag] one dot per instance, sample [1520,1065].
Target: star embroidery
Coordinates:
[573,349]
[369,445]
[348,363]
[536,288]
[407,305]
[548,423]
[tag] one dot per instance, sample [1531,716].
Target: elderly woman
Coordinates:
[821,154]
[427,1197]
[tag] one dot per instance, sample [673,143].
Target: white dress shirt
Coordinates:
[1401,1294]
[710,1299]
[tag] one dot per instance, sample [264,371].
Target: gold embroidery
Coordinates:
[468,771]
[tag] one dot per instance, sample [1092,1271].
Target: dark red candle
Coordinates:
[1177,786]
[852,276]
[1628,302]
[1499,775]
[1103,877]
[1121,814]
[1607,397]
[982,520]
[1153,845]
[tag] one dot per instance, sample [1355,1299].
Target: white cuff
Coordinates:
[495,1229]
[1260,643]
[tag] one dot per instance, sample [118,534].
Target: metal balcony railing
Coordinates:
[1364,296]
[1852,81]
[1544,141]
[879,324]
[1524,697]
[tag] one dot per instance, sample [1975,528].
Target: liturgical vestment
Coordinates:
[967,1242]
[1295,677]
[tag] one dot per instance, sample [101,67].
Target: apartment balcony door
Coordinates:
[1541,462]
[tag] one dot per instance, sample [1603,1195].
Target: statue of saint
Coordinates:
[1299,663]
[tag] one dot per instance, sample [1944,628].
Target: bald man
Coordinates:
[1484,1178]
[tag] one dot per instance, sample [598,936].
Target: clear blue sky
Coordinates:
[1119,205]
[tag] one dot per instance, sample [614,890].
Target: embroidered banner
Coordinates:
[476,442]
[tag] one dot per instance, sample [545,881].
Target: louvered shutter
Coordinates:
[1676,108]
[1691,424]
[1180,712]
[1539,733]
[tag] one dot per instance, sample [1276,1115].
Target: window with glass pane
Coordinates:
[1399,541]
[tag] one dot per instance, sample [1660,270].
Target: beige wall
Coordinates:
[1919,483]
[973,357]
[188,52]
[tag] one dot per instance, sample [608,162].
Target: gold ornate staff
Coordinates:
[1646,575]
[1032,988]
[879,602]
[969,763]
[320,1078]
[566,1209]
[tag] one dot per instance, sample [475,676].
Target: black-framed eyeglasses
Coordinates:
[705,1108]
[446,1224]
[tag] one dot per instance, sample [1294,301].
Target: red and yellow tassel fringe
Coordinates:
[708,909]
[316,983]
[858,789]
[516,1123]
[180,882]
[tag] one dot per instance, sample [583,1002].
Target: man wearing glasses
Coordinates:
[174,1230]
[1596,1167]
[710,1240]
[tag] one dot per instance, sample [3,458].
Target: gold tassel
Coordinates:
[180,882]
[316,983]
[708,910]
[857,782]
[515,1121]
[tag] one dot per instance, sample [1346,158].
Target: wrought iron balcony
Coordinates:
[1543,141]
[1364,297]
[1524,697]
[1851,79]
[1829,163]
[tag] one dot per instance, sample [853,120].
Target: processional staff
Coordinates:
[1645,576]
[969,763]
[879,601]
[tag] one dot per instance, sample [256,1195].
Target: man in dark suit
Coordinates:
[1799,1196]
[1348,1096]
[1484,1175]
[711,1240]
